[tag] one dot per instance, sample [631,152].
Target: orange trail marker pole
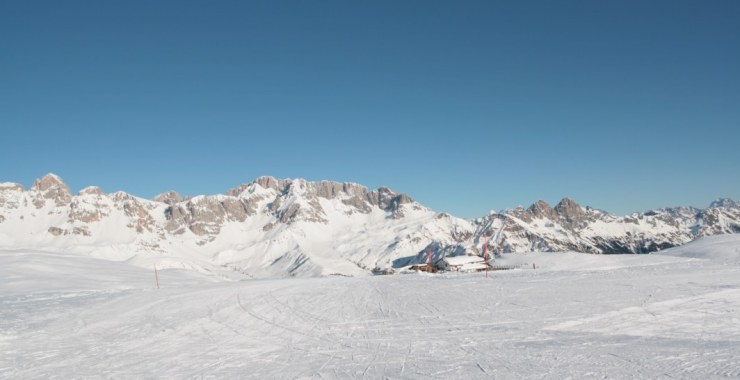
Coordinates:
[156,276]
[430,259]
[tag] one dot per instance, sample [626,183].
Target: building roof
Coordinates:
[473,266]
[462,260]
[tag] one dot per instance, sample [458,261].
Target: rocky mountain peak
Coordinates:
[49,181]
[170,197]
[725,203]
[91,190]
[568,207]
[351,194]
[295,186]
[52,187]
[268,182]
[542,209]
[570,212]
[388,199]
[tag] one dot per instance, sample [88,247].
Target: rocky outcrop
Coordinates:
[10,195]
[89,206]
[91,190]
[56,231]
[204,215]
[351,194]
[51,187]
[570,213]
[137,211]
[542,210]
[171,197]
[79,211]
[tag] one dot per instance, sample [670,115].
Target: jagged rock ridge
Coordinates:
[286,227]
[264,228]
[571,227]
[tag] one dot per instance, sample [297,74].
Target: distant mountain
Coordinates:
[570,227]
[274,228]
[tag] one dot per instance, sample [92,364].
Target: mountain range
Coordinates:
[291,227]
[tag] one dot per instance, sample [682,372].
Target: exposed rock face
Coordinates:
[89,206]
[170,197]
[78,212]
[541,209]
[288,201]
[719,220]
[50,182]
[299,200]
[53,188]
[571,214]
[91,190]
[138,212]
[205,215]
[10,195]
[84,231]
[386,199]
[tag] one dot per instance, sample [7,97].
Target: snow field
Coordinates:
[647,316]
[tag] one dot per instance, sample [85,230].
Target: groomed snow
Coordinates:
[673,315]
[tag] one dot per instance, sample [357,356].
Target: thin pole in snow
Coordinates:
[156,276]
[485,253]
[430,259]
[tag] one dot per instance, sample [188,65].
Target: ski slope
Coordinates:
[674,314]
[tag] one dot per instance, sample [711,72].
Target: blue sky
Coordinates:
[467,106]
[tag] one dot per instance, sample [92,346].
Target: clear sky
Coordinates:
[467,106]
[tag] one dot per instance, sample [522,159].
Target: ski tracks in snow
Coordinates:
[642,322]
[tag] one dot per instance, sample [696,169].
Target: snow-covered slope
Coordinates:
[722,248]
[576,316]
[276,228]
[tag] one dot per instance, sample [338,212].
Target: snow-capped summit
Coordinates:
[91,190]
[571,227]
[169,197]
[724,203]
[53,188]
[48,181]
